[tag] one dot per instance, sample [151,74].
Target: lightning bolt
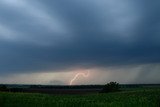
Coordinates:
[77,75]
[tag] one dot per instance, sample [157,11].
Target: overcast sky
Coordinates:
[49,41]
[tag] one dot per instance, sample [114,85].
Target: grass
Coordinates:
[132,98]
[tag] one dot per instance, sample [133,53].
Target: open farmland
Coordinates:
[133,97]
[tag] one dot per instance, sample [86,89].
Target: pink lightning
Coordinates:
[77,75]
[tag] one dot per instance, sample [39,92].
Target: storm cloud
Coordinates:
[38,35]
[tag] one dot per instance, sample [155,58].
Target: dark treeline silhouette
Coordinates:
[67,89]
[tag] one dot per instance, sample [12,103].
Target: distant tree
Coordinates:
[3,88]
[111,87]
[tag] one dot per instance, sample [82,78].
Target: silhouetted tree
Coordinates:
[3,88]
[111,87]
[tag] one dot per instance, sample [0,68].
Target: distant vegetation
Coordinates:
[3,88]
[111,87]
[63,89]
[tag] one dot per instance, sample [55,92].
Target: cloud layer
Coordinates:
[40,35]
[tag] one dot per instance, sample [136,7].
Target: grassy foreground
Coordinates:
[132,98]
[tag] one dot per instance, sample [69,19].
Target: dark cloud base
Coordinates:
[91,44]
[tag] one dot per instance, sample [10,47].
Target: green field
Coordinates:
[131,98]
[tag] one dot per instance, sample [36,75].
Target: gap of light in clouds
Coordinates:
[123,75]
